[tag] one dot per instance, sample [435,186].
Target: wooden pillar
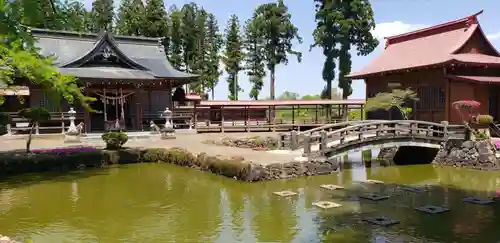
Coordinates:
[293,114]
[169,97]
[316,111]
[273,120]
[86,114]
[149,101]
[247,119]
[362,111]
[447,104]
[222,118]
[195,116]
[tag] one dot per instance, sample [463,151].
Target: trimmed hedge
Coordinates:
[19,163]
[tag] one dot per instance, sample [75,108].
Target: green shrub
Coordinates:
[482,136]
[484,119]
[114,140]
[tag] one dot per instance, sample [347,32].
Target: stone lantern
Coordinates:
[168,131]
[72,127]
[167,113]
[73,133]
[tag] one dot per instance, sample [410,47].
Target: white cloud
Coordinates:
[387,29]
[493,36]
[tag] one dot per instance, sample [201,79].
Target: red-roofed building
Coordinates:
[443,63]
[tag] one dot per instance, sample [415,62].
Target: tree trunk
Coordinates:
[329,95]
[28,142]
[235,86]
[213,93]
[272,82]
[273,96]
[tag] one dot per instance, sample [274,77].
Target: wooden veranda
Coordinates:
[272,115]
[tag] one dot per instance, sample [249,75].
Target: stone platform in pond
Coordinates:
[312,167]
[468,154]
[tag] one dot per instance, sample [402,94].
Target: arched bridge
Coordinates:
[339,138]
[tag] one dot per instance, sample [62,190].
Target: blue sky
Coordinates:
[392,17]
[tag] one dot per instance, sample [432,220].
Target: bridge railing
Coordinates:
[294,140]
[381,130]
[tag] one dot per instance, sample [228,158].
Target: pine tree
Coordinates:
[201,53]
[74,16]
[214,43]
[174,39]
[156,24]
[233,56]
[102,15]
[336,35]
[273,22]
[131,18]
[189,38]
[41,14]
[254,46]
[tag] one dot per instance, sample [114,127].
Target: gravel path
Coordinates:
[191,142]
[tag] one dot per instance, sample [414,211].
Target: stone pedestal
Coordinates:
[69,138]
[469,154]
[168,133]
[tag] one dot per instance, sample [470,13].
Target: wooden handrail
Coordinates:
[411,128]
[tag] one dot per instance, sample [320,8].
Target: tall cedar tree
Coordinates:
[273,22]
[189,38]
[340,25]
[175,43]
[233,56]
[42,14]
[131,18]
[74,16]
[214,43]
[199,63]
[254,60]
[102,15]
[156,24]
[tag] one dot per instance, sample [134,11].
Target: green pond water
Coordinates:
[152,203]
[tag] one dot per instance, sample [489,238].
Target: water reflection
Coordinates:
[163,203]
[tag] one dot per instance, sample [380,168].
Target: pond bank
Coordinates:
[235,167]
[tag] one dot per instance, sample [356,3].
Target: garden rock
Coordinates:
[468,154]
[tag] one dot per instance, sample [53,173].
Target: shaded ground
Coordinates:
[191,142]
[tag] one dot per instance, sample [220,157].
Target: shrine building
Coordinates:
[444,63]
[130,77]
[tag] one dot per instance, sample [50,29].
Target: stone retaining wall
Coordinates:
[318,166]
[387,154]
[468,154]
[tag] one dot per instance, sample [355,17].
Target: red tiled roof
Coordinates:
[431,46]
[477,79]
[280,102]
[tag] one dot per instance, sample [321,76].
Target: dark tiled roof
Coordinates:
[144,55]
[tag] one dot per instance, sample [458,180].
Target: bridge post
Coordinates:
[323,142]
[445,130]
[294,140]
[307,145]
[281,144]
[361,133]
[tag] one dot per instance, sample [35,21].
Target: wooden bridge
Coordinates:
[339,138]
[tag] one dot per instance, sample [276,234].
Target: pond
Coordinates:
[163,203]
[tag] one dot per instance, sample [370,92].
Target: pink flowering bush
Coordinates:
[497,144]
[466,107]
